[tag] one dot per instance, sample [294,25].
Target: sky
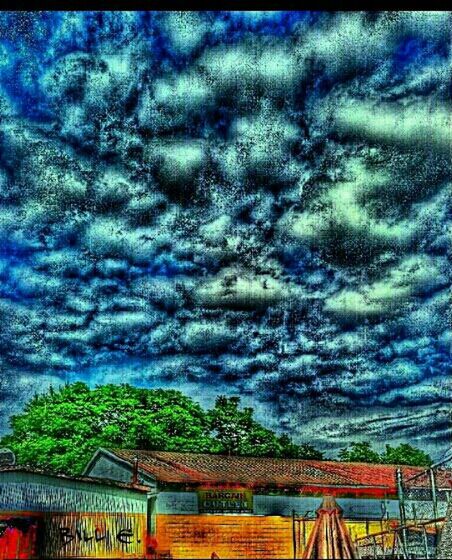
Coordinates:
[240,203]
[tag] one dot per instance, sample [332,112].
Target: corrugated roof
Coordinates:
[86,479]
[172,467]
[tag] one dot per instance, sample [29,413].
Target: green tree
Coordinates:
[403,454]
[359,452]
[60,430]
[239,434]
[406,454]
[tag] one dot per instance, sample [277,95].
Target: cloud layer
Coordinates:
[241,203]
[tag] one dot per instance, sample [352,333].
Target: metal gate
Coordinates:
[300,532]
[423,502]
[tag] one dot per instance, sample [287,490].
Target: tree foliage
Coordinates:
[239,434]
[359,452]
[59,431]
[403,454]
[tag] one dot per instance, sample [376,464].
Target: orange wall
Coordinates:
[230,536]
[235,536]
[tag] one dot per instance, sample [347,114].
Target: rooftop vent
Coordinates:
[7,457]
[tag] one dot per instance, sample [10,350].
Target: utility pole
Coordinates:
[401,497]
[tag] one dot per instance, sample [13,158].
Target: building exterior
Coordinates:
[47,516]
[245,507]
[155,505]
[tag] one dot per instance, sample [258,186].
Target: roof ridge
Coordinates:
[188,470]
[179,466]
[155,454]
[316,462]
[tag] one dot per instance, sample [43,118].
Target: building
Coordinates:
[48,516]
[248,507]
[156,505]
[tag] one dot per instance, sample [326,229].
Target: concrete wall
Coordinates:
[445,541]
[423,509]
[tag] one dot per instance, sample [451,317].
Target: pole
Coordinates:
[431,473]
[401,506]
[135,471]
[403,548]
[294,536]
[424,535]
[375,547]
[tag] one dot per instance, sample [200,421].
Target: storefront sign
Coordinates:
[225,501]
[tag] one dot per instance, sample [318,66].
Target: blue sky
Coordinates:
[241,203]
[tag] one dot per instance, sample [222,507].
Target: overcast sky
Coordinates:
[251,204]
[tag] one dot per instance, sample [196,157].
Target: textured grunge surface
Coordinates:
[238,203]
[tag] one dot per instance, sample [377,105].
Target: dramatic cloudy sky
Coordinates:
[253,204]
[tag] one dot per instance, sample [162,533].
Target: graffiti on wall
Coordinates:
[104,535]
[68,534]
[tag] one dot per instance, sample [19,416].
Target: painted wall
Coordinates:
[18,536]
[95,536]
[32,492]
[353,508]
[236,536]
[78,519]
[104,467]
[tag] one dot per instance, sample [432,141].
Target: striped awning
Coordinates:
[329,538]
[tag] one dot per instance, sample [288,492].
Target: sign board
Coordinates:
[225,501]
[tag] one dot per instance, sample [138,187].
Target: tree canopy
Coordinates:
[60,430]
[403,454]
[239,434]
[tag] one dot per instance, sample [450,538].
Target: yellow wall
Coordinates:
[235,536]
[95,535]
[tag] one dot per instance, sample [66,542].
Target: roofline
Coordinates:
[82,479]
[282,459]
[254,484]
[114,457]
[145,472]
[292,485]
[103,451]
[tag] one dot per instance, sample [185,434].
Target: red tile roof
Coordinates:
[197,468]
